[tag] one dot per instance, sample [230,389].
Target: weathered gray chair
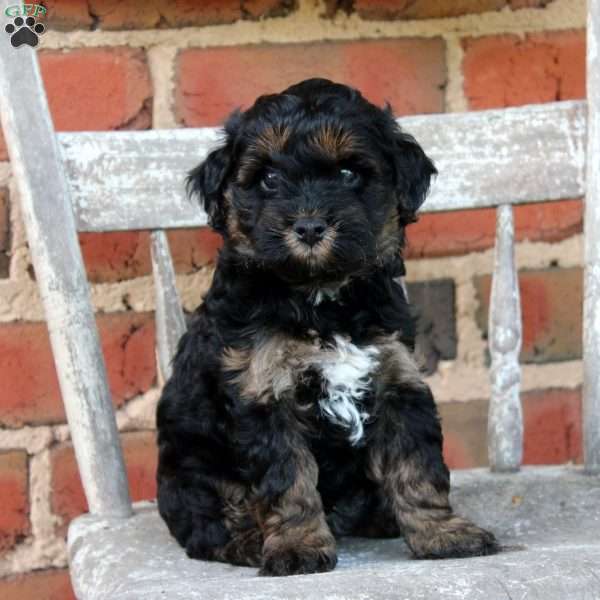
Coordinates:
[549,517]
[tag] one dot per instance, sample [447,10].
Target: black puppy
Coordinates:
[296,413]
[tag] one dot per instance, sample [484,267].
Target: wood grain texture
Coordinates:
[591,303]
[505,419]
[170,322]
[509,156]
[46,207]
[135,179]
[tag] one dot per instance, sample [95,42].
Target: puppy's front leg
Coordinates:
[297,538]
[405,458]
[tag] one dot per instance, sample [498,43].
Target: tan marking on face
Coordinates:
[388,241]
[272,140]
[317,254]
[334,141]
[238,238]
[248,165]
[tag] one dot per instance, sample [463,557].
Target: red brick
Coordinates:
[4,234]
[435,309]
[552,423]
[552,429]
[95,89]
[68,14]
[53,584]
[508,70]
[131,14]
[504,71]
[192,249]
[551,301]
[464,425]
[33,395]
[422,9]
[116,256]
[457,455]
[14,486]
[451,233]
[67,497]
[257,9]
[518,4]
[434,9]
[410,74]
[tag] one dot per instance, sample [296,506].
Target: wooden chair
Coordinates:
[550,517]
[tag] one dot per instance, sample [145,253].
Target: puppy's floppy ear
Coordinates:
[207,180]
[412,170]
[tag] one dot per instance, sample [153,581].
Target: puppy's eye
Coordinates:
[269,181]
[348,176]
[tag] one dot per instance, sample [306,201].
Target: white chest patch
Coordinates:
[346,372]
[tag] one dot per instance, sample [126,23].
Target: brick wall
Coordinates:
[111,64]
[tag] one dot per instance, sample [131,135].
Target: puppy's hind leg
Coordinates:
[196,520]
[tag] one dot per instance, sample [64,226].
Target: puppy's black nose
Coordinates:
[310,230]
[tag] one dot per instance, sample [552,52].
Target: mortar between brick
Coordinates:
[471,347]
[20,299]
[161,62]
[459,382]
[42,549]
[455,98]
[32,439]
[306,25]
[5,173]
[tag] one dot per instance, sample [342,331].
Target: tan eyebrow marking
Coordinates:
[268,142]
[334,141]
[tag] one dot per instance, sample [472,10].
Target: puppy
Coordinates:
[295,413]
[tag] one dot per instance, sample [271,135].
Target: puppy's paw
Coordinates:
[298,561]
[454,538]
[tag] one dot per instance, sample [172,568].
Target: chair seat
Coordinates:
[548,519]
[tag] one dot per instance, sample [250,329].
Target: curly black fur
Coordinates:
[252,470]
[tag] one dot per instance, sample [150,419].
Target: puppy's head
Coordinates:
[315,183]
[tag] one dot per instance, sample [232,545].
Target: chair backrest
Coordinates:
[134,180]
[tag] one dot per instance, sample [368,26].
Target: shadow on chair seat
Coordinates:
[547,518]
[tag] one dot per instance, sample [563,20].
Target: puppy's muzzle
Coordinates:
[310,230]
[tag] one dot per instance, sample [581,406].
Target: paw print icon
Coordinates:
[24,31]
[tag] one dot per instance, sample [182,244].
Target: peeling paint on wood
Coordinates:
[135,179]
[170,322]
[591,302]
[46,208]
[547,556]
[505,419]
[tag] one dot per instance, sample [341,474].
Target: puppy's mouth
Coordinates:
[314,253]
